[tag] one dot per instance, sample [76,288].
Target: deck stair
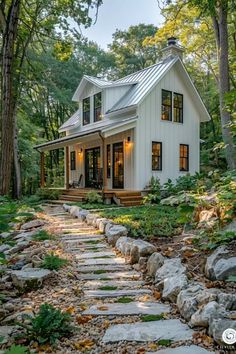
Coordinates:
[128,198]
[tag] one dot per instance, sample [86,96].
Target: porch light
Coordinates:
[80,150]
[128,141]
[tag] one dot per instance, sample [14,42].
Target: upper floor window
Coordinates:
[183,157]
[166,105]
[97,107]
[86,111]
[72,161]
[178,107]
[156,156]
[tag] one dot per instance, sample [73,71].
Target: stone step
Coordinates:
[132,308]
[116,275]
[148,331]
[78,237]
[94,284]
[84,247]
[190,349]
[84,239]
[100,261]
[105,268]
[87,255]
[79,231]
[116,293]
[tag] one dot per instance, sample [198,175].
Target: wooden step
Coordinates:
[131,203]
[72,198]
[131,198]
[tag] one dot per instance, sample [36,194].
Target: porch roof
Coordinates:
[108,129]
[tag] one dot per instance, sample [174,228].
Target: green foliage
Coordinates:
[12,211]
[47,194]
[49,324]
[42,235]
[53,262]
[148,318]
[154,193]
[164,342]
[107,287]
[17,349]
[211,239]
[100,271]
[232,278]
[93,197]
[124,300]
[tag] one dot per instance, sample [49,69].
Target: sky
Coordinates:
[121,14]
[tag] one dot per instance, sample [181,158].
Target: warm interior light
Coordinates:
[80,150]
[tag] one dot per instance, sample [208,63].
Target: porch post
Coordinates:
[104,177]
[42,169]
[67,167]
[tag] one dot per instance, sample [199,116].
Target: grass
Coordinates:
[42,235]
[90,206]
[53,262]
[165,342]
[147,220]
[104,279]
[107,287]
[98,257]
[92,242]
[100,271]
[124,300]
[148,318]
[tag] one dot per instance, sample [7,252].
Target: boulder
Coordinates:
[33,224]
[6,332]
[155,261]
[82,214]
[219,265]
[170,268]
[74,211]
[66,207]
[227,300]
[187,302]
[217,328]
[173,285]
[20,246]
[140,248]
[123,244]
[207,313]
[114,233]
[101,224]
[4,247]
[91,219]
[109,225]
[18,316]
[30,278]
[142,262]
[36,261]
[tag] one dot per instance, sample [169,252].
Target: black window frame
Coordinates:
[72,161]
[166,105]
[97,109]
[86,112]
[159,157]
[108,160]
[184,158]
[178,108]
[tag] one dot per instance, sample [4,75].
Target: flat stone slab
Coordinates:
[80,230]
[94,284]
[75,237]
[132,308]
[97,261]
[105,267]
[148,331]
[190,349]
[83,247]
[116,293]
[30,277]
[115,275]
[84,239]
[92,255]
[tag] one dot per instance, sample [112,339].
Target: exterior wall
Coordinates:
[112,95]
[128,158]
[150,128]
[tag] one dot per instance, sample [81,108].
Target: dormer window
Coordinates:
[86,111]
[97,107]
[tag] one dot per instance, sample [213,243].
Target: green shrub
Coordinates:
[154,194]
[53,262]
[93,197]
[46,193]
[148,318]
[49,324]
[42,235]
[17,349]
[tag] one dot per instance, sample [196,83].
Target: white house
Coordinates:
[126,131]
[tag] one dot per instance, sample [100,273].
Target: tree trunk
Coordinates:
[224,85]
[17,172]
[7,96]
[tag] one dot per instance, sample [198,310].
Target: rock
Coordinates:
[207,313]
[191,349]
[114,233]
[140,248]
[217,328]
[31,278]
[5,333]
[18,316]
[66,207]
[155,261]
[109,225]
[3,313]
[206,295]
[173,285]
[36,261]
[4,247]
[18,265]
[187,302]
[74,211]
[27,266]
[101,224]
[5,234]
[9,306]
[82,214]
[33,224]
[142,263]
[123,244]
[91,219]
[170,268]
[18,247]
[227,300]
[220,265]
[231,226]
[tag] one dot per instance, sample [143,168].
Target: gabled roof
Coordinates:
[71,122]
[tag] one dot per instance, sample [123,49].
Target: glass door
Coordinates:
[92,167]
[118,165]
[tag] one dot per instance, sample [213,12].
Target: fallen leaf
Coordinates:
[152,346]
[83,306]
[83,344]
[156,294]
[81,319]
[105,324]
[102,308]
[140,350]
[70,309]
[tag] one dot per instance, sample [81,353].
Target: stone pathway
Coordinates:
[111,288]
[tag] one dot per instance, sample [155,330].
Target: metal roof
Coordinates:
[74,119]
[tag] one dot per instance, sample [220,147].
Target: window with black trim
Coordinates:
[72,161]
[166,105]
[86,111]
[178,107]
[156,156]
[183,157]
[109,161]
[97,107]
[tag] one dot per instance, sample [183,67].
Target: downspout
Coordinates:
[103,162]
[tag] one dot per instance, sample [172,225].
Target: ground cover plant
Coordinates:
[42,235]
[53,262]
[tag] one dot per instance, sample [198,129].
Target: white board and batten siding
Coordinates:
[150,128]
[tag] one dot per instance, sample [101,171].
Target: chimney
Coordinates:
[173,49]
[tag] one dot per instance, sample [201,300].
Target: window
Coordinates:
[178,107]
[108,161]
[156,156]
[97,107]
[166,105]
[72,161]
[86,111]
[183,157]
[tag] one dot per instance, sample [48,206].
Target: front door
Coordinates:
[118,165]
[92,167]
